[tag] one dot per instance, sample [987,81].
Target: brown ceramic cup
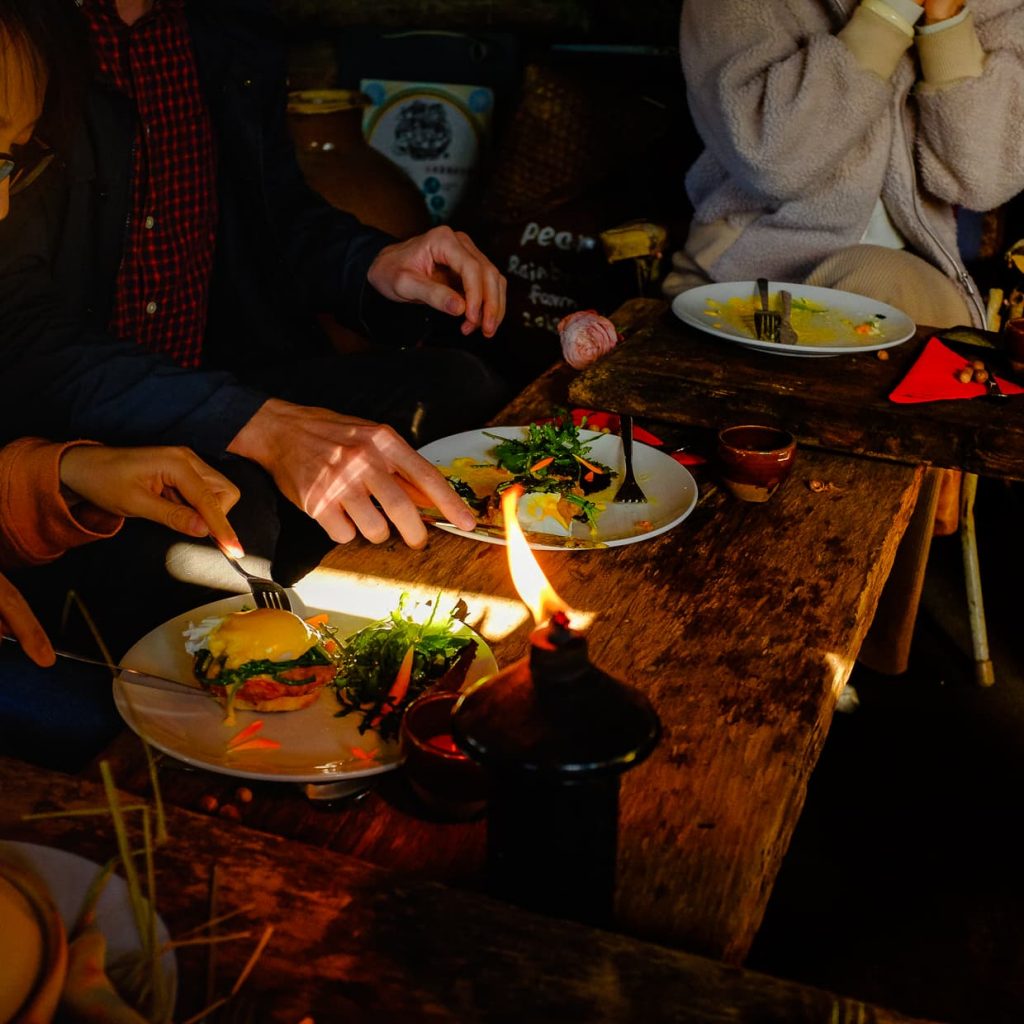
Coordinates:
[753,461]
[1013,338]
[442,776]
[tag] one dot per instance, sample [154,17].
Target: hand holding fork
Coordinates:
[266,592]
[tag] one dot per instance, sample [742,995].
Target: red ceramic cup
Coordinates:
[442,776]
[753,460]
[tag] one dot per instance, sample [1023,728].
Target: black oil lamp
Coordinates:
[555,734]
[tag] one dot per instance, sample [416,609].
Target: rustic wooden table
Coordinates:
[741,625]
[352,941]
[670,371]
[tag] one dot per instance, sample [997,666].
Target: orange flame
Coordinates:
[530,582]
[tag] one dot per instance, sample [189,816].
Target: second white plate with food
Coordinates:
[828,322]
[315,744]
[670,488]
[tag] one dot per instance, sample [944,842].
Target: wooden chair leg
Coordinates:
[983,671]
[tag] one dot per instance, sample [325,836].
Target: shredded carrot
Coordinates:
[588,465]
[256,744]
[364,755]
[541,463]
[250,730]
[400,687]
[588,477]
[317,620]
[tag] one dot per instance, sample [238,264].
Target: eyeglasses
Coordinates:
[25,163]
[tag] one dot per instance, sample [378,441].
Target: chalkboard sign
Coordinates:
[554,265]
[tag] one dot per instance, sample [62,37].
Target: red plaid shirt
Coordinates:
[163,283]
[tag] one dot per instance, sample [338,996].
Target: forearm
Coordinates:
[63,379]
[37,521]
[777,97]
[970,146]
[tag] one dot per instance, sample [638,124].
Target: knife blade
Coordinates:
[532,536]
[150,680]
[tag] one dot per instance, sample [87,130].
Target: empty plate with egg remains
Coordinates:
[828,322]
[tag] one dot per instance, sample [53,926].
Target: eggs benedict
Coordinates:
[260,660]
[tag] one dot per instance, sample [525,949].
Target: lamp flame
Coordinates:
[530,582]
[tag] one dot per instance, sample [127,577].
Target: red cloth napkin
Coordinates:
[597,420]
[933,378]
[609,421]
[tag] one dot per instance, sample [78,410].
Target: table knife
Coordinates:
[532,536]
[129,675]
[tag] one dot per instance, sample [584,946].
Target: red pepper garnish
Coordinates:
[244,734]
[256,744]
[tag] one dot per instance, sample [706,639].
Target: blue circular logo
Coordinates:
[437,202]
[375,91]
[431,185]
[480,100]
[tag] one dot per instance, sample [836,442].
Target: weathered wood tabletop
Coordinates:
[741,625]
[668,370]
[354,942]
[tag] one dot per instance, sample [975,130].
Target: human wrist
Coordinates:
[950,51]
[72,463]
[256,437]
[877,42]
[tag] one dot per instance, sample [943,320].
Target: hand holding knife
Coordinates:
[128,675]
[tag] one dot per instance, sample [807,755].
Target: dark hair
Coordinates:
[50,34]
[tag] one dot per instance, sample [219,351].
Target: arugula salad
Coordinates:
[385,666]
[551,459]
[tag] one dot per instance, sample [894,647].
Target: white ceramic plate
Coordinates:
[68,877]
[826,327]
[316,746]
[670,488]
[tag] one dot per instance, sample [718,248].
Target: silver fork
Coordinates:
[766,321]
[267,593]
[787,335]
[629,492]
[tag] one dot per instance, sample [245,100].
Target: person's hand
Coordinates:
[940,10]
[336,467]
[445,270]
[17,619]
[169,485]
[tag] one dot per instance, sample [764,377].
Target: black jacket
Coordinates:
[282,255]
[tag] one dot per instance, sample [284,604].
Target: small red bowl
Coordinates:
[442,776]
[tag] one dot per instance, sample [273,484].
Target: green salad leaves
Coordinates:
[554,459]
[372,680]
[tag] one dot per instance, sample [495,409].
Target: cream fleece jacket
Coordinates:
[810,110]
